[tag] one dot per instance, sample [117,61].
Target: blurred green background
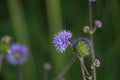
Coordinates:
[34,22]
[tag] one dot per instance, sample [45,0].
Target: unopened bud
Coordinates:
[82,46]
[6,39]
[97,63]
[86,29]
[98,23]
[47,66]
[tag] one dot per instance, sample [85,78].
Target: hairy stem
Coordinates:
[91,38]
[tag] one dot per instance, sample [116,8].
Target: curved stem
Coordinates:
[82,67]
[71,45]
[82,60]
[91,38]
[83,73]
[64,71]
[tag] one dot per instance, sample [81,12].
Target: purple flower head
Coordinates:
[61,40]
[17,54]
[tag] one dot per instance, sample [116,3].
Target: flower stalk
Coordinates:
[65,70]
[20,72]
[47,67]
[91,39]
[1,60]
[82,68]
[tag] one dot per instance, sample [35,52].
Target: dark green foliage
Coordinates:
[34,22]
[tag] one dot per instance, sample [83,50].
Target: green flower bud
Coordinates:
[82,46]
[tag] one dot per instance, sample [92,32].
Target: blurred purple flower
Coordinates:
[61,40]
[47,66]
[92,0]
[17,54]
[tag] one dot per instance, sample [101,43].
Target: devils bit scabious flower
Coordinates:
[61,40]
[17,54]
[82,46]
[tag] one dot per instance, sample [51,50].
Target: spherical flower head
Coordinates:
[61,40]
[82,46]
[17,54]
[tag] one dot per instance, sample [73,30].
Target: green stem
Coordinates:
[93,31]
[20,72]
[82,68]
[46,75]
[91,38]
